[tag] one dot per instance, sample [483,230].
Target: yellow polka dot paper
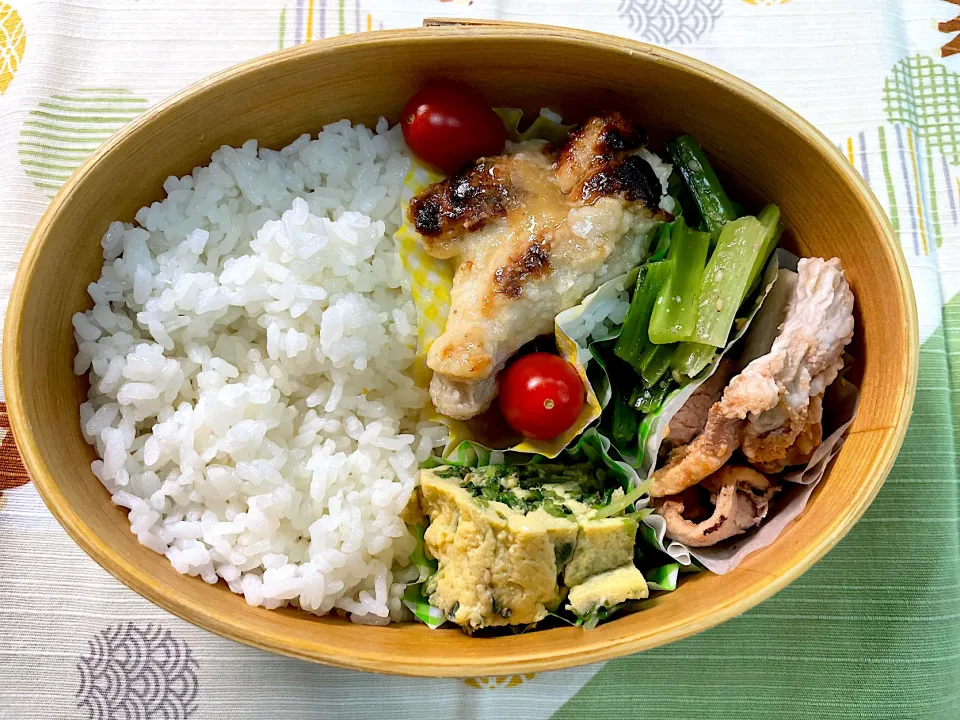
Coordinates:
[430,277]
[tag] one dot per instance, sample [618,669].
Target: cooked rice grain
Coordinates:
[248,352]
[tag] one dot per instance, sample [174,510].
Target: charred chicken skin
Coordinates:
[533,230]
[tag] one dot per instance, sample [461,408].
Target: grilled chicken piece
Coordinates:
[741,499]
[596,155]
[773,409]
[534,233]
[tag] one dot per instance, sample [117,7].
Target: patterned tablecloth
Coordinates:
[873,631]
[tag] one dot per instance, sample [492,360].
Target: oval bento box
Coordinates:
[761,149]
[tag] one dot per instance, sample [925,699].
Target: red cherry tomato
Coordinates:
[448,127]
[541,395]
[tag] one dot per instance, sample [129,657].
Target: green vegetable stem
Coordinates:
[675,311]
[691,357]
[633,335]
[663,242]
[769,218]
[688,207]
[647,399]
[724,268]
[624,423]
[655,362]
[707,192]
[726,279]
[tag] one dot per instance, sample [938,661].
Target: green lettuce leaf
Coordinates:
[663,578]
[546,126]
[417,603]
[413,596]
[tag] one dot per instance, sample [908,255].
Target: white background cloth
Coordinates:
[62,618]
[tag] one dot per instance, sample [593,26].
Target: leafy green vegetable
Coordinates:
[536,474]
[655,362]
[633,334]
[663,242]
[608,371]
[690,358]
[678,189]
[546,126]
[597,448]
[655,423]
[596,615]
[675,311]
[769,218]
[647,399]
[453,471]
[591,447]
[702,181]
[726,278]
[532,486]
[625,420]
[611,375]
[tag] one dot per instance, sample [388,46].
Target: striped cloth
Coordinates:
[872,631]
[66,127]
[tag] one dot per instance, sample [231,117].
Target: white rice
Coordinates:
[663,171]
[248,352]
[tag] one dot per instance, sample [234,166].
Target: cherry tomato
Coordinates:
[541,395]
[448,127]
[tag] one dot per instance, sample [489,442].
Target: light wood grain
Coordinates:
[761,148]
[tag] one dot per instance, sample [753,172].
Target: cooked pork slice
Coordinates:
[689,464]
[741,499]
[692,417]
[773,409]
[774,391]
[525,253]
[803,447]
